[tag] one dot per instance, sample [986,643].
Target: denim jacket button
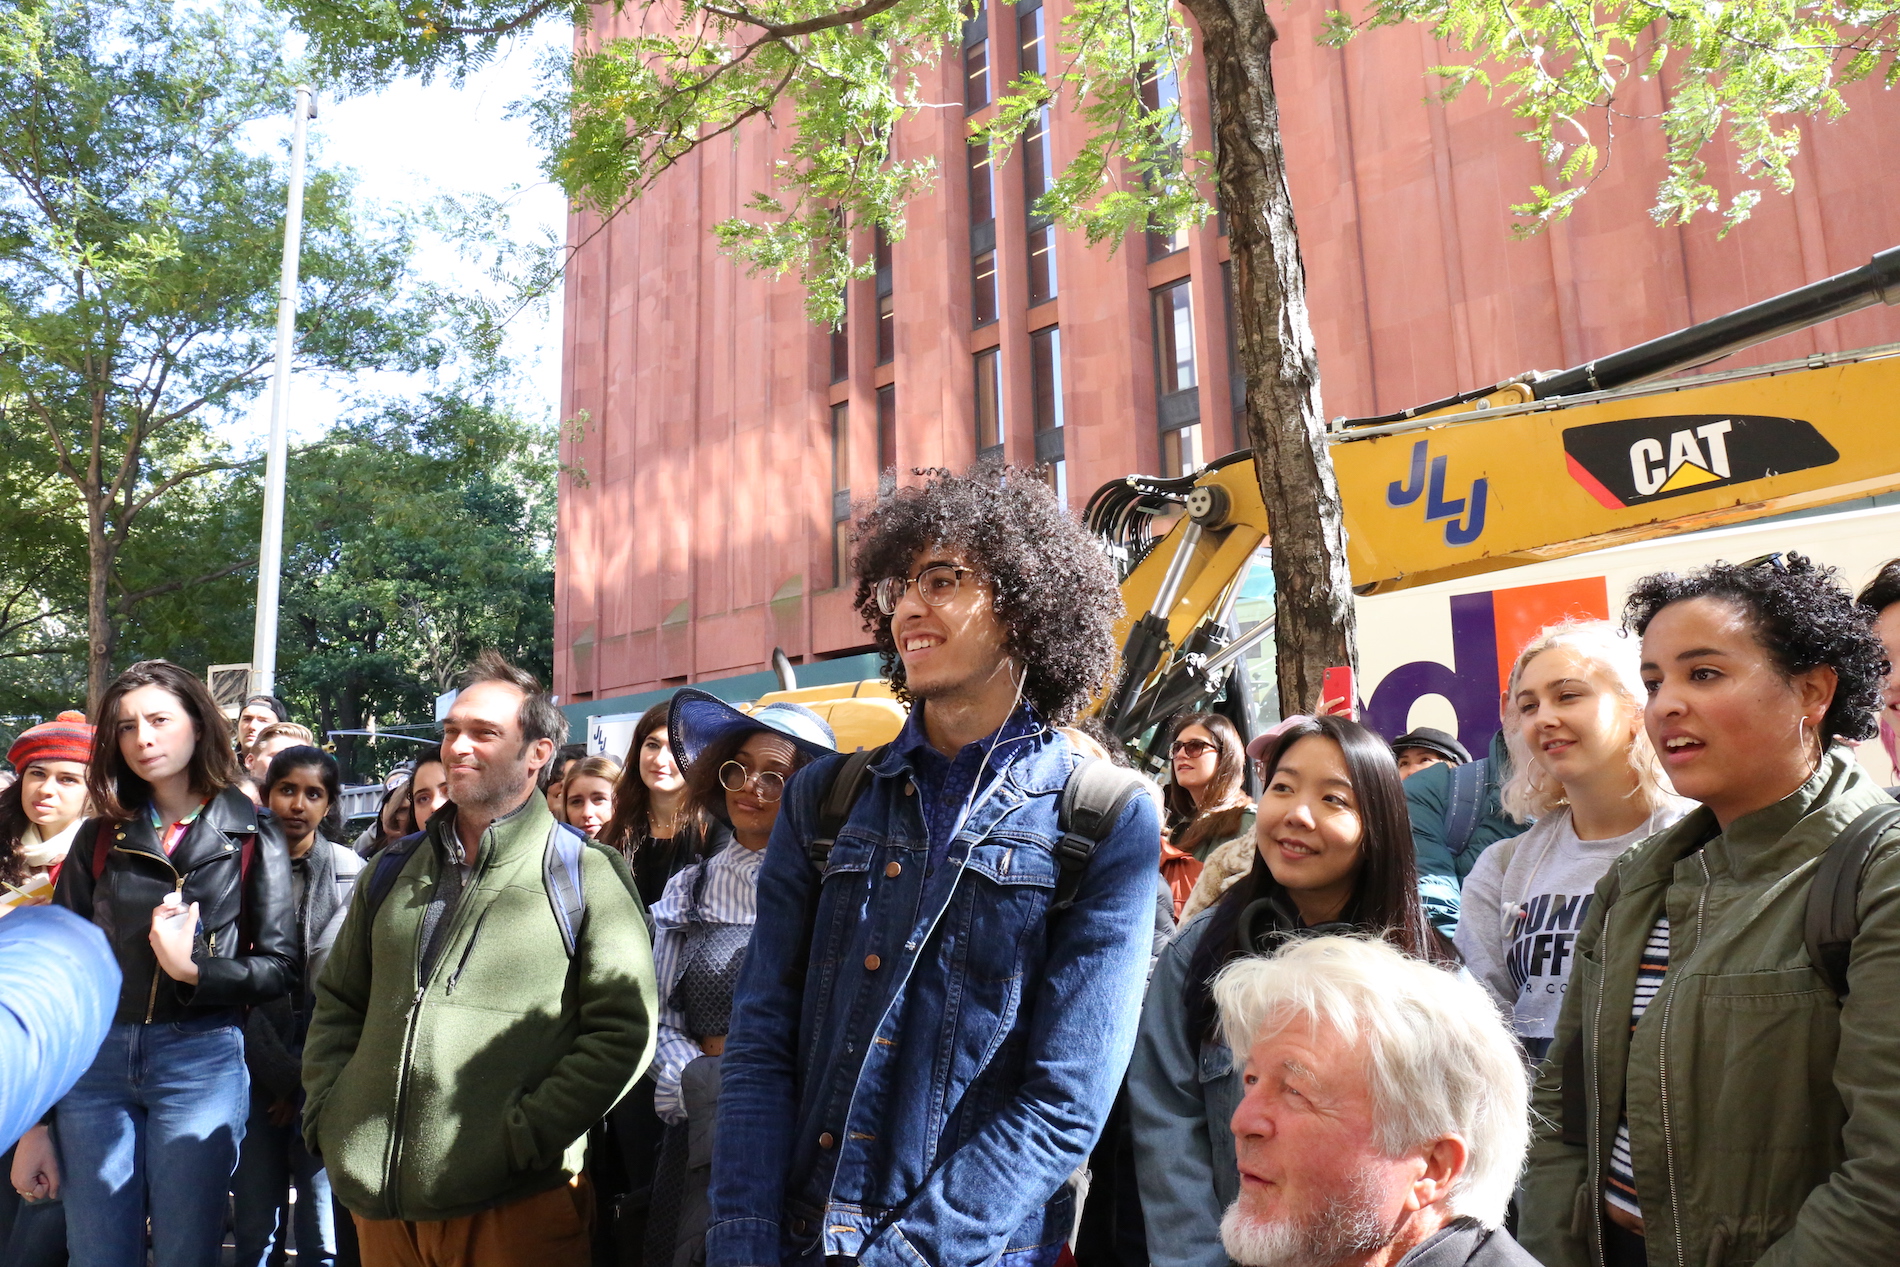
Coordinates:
[800,1226]
[893,869]
[826,1140]
[872,963]
[910,789]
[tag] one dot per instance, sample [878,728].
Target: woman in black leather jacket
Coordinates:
[191,885]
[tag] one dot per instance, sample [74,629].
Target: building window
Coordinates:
[1056,476]
[1045,371]
[886,439]
[886,313]
[1160,90]
[1181,451]
[840,494]
[1031,58]
[982,188]
[1045,374]
[983,288]
[989,404]
[1178,397]
[976,60]
[1039,175]
[1174,338]
[841,343]
[983,301]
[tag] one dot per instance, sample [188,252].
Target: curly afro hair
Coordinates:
[1803,618]
[1053,587]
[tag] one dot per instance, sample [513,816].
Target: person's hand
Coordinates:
[1331,706]
[281,1112]
[174,926]
[36,1166]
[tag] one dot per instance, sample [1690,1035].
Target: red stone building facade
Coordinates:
[724,435]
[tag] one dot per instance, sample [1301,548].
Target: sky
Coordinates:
[409,144]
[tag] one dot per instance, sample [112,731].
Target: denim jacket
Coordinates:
[1183,1090]
[915,1069]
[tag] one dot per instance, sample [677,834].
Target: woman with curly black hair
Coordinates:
[1714,1094]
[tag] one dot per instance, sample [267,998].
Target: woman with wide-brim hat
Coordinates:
[736,766]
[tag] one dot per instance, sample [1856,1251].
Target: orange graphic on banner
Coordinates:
[1521,613]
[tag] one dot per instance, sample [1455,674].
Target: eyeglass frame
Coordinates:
[1201,746]
[753,778]
[888,605]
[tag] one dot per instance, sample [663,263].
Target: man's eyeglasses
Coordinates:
[769,784]
[936,585]
[1191,748]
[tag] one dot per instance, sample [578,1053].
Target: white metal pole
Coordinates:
[270,547]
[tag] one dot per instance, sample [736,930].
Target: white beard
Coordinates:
[1346,1226]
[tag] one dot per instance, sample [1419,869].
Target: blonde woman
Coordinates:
[1584,770]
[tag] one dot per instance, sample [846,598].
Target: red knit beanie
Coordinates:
[65,738]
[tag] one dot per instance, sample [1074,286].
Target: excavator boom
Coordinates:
[1536,468]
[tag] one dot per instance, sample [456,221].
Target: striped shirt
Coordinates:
[1620,1188]
[731,896]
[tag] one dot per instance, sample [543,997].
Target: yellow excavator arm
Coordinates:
[1535,468]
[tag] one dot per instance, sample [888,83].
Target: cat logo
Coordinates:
[1641,460]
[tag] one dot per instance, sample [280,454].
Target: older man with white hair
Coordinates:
[1385,1117]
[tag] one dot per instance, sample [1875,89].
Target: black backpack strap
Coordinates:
[1092,800]
[1832,918]
[388,865]
[848,782]
[1574,1113]
[1467,797]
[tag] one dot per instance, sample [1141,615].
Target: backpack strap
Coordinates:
[1092,800]
[388,865]
[101,846]
[1832,917]
[1467,795]
[561,875]
[848,782]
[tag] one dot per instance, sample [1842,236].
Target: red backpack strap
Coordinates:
[101,846]
[246,852]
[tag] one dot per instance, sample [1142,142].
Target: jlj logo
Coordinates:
[1463,516]
[1642,460]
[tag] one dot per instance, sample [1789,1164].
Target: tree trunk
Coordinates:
[101,634]
[1285,425]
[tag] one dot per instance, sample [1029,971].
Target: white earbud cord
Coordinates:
[972,802]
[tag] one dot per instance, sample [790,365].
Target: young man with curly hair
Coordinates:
[922,1050]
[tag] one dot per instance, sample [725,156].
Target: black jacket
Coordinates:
[247,942]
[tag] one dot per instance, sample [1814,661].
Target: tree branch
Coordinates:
[128,599]
[788,30]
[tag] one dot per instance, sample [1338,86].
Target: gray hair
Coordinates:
[1440,1059]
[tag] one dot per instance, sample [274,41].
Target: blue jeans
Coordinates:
[30,1235]
[152,1129]
[271,1159]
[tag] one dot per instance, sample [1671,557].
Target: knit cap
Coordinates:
[66,738]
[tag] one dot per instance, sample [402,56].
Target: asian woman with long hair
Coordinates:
[1333,853]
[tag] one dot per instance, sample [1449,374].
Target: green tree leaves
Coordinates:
[1738,72]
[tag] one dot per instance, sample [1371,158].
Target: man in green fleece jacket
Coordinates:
[457,1054]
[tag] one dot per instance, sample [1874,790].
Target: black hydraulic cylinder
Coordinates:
[1875,282]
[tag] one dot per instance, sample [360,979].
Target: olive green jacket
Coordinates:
[435,1099]
[1764,1113]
